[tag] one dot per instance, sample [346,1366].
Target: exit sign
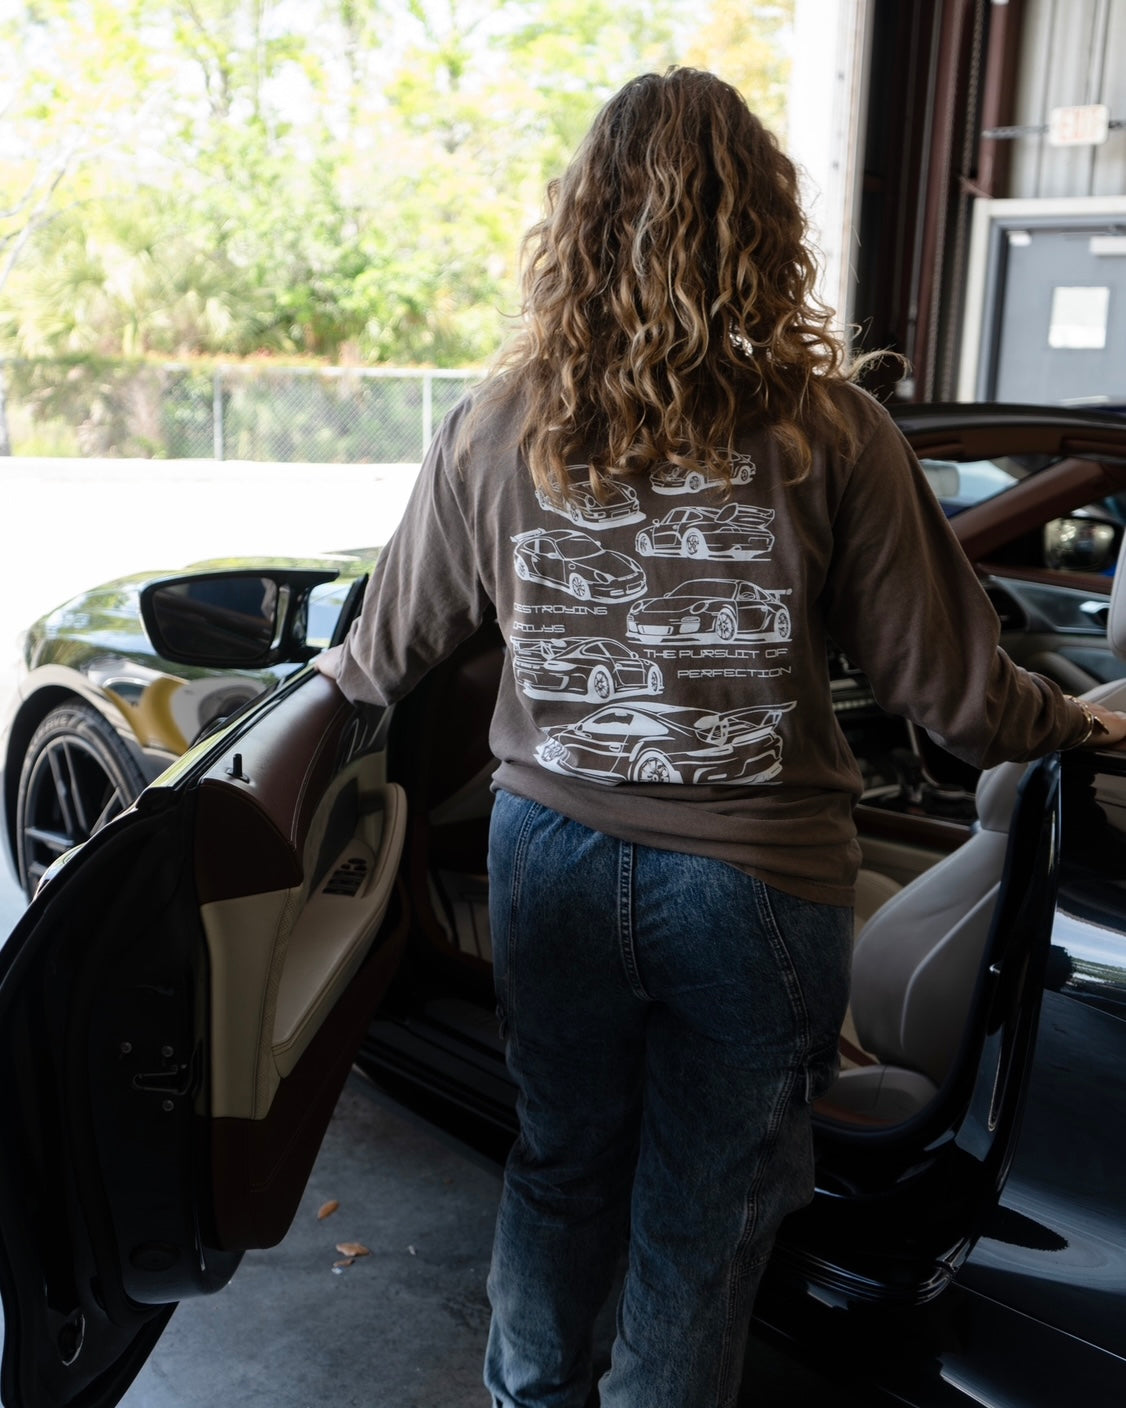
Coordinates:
[1078,126]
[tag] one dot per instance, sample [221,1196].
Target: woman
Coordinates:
[671,496]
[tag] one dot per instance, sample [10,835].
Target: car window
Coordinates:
[325,603]
[960,485]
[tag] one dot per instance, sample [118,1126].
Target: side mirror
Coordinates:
[1081,544]
[243,619]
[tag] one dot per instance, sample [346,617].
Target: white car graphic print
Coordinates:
[675,479]
[618,506]
[737,532]
[655,742]
[594,668]
[574,563]
[712,612]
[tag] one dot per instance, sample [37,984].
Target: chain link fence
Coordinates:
[244,411]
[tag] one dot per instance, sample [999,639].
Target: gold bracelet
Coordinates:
[1095,726]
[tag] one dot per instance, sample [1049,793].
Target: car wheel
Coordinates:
[76,776]
[601,686]
[693,484]
[725,626]
[694,545]
[655,767]
[579,587]
[655,682]
[782,625]
[645,545]
[522,569]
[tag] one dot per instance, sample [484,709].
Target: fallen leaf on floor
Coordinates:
[348,1261]
[327,1209]
[352,1249]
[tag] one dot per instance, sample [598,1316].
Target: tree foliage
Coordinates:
[339,179]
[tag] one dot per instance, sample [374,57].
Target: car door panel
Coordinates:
[178,1011]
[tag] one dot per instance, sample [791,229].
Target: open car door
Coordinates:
[179,1008]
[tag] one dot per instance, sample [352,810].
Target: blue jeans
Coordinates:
[668,1021]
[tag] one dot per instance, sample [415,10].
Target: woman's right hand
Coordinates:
[1109,729]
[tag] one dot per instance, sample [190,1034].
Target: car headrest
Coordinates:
[997,795]
[1116,620]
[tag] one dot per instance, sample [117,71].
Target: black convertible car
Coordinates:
[184,997]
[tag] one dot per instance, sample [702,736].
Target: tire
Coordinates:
[580,589]
[76,775]
[645,545]
[654,767]
[694,483]
[600,685]
[782,625]
[522,569]
[726,626]
[694,545]
[655,683]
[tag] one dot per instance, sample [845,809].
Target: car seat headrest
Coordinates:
[1116,620]
[996,795]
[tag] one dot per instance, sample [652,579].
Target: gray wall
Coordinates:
[1073,52]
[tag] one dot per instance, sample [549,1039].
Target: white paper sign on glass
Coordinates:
[1079,317]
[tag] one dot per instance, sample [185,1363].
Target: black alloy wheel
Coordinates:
[76,776]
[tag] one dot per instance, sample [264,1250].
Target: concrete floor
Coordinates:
[404,1326]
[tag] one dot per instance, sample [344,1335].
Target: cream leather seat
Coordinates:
[916,960]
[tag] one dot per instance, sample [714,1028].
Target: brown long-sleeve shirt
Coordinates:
[668,679]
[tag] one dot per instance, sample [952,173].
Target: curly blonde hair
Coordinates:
[668,296]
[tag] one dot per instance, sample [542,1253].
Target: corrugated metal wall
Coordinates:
[1073,52]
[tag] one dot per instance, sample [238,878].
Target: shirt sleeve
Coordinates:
[425,595]
[905,605]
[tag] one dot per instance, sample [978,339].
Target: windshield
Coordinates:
[961,484]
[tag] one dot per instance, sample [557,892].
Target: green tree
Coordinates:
[342,179]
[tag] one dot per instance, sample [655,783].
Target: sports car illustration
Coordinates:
[675,479]
[585,509]
[711,612]
[594,668]
[574,562]
[669,743]
[736,531]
